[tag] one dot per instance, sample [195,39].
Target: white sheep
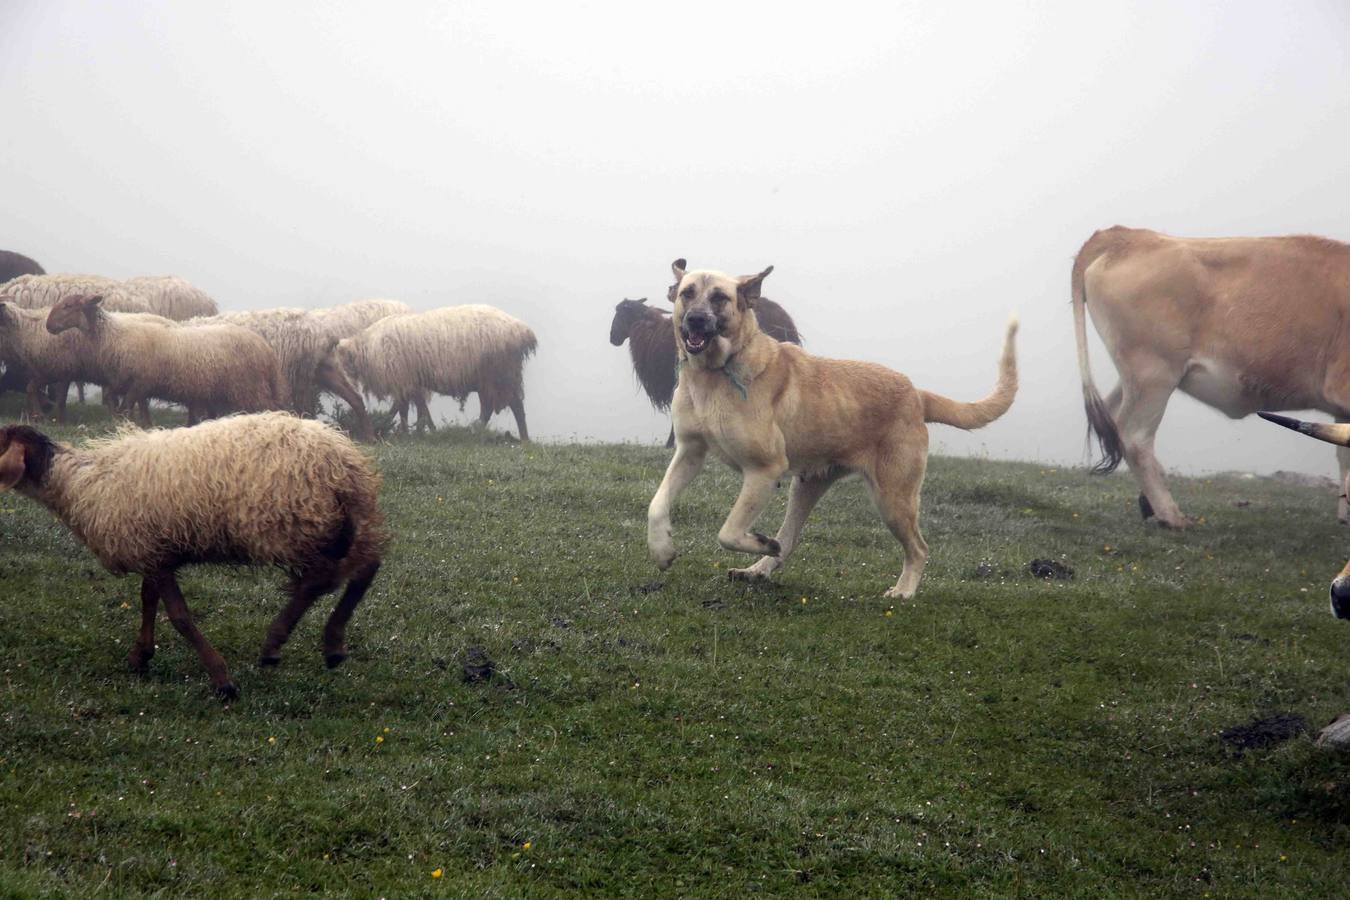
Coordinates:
[173,297]
[217,367]
[260,489]
[457,350]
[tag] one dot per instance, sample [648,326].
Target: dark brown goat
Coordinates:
[651,343]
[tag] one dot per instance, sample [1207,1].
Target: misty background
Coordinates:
[914,171]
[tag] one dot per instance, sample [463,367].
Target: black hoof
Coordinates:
[138,665]
[227,692]
[1145,508]
[333,660]
[269,662]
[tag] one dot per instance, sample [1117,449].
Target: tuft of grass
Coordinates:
[674,733]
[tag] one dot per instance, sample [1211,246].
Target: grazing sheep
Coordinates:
[12,265]
[173,297]
[336,323]
[45,291]
[457,351]
[651,343]
[261,489]
[304,345]
[218,367]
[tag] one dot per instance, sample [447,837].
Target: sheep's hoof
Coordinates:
[139,662]
[227,692]
[269,662]
[333,660]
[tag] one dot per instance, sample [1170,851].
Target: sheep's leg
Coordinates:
[423,413]
[79,391]
[34,403]
[62,391]
[401,404]
[518,409]
[144,648]
[181,617]
[335,630]
[304,591]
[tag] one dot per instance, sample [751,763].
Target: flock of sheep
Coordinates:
[263,486]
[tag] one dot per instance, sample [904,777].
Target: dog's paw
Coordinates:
[662,555]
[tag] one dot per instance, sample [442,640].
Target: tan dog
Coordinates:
[769,409]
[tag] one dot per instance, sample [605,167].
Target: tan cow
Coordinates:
[1240,324]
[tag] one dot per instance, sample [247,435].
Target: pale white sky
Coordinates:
[914,171]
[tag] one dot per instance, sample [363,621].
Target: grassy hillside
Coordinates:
[675,733]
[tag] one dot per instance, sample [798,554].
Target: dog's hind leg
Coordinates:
[895,487]
[757,489]
[684,466]
[806,493]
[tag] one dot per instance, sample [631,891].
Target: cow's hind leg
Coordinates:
[1342,508]
[806,493]
[1143,402]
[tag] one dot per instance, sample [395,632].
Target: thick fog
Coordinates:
[914,171]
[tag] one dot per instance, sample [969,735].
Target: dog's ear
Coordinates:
[678,268]
[747,289]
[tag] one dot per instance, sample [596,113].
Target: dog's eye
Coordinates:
[688,293]
[719,299]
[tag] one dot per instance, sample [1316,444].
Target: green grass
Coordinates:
[996,736]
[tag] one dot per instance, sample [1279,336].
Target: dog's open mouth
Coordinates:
[695,341]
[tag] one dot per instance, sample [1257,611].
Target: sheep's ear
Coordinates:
[642,299]
[747,288]
[94,300]
[11,466]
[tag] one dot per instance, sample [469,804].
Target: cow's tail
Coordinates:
[937,408]
[1099,419]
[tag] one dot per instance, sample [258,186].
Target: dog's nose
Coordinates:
[698,321]
[1340,597]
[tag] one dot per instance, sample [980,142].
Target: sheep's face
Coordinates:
[75,311]
[626,314]
[25,456]
[711,313]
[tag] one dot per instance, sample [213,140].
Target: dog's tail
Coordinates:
[937,408]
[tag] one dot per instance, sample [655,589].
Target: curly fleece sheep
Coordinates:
[262,489]
[457,351]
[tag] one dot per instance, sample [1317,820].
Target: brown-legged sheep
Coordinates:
[44,358]
[173,297]
[651,343]
[457,350]
[253,489]
[219,367]
[304,347]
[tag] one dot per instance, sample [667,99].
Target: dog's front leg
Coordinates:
[756,491]
[684,466]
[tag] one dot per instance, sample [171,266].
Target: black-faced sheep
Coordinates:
[261,489]
[456,351]
[215,367]
[651,343]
